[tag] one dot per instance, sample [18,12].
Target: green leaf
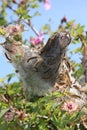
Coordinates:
[2,90]
[36,13]
[54,120]
[17,37]
[77,50]
[3,112]
[2,22]
[2,80]
[2,31]
[46,27]
[10,76]
[70,23]
[57,94]
[3,126]
[78,72]
[23,13]
[79,29]
[34,5]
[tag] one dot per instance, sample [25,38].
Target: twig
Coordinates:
[33,28]
[11,8]
[84,59]
[43,117]
[28,22]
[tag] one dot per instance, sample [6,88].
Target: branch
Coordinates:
[84,59]
[28,22]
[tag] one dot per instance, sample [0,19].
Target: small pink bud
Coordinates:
[63,20]
[47,4]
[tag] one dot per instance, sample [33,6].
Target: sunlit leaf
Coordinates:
[10,76]
[3,112]
[2,80]
[78,50]
[2,31]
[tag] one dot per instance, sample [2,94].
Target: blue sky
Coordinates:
[72,9]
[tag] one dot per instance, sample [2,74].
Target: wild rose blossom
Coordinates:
[38,40]
[9,116]
[14,29]
[47,4]
[70,106]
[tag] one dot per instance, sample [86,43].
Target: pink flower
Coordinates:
[9,116]
[38,40]
[47,4]
[70,106]
[14,29]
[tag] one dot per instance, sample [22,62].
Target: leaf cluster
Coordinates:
[40,113]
